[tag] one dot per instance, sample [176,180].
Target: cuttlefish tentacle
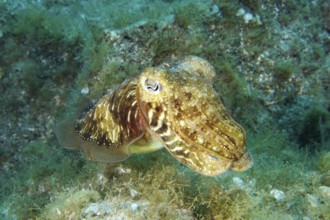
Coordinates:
[172,106]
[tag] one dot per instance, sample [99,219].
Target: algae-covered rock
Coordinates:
[314,127]
[324,162]
[69,205]
[325,179]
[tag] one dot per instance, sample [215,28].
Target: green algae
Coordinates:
[283,71]
[69,204]
[314,128]
[324,164]
[185,18]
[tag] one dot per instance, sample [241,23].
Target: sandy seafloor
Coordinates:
[273,74]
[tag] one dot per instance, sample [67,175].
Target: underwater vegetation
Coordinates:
[271,65]
[315,126]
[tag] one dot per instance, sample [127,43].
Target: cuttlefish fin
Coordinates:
[66,136]
[105,154]
[112,130]
[69,139]
[64,130]
[145,144]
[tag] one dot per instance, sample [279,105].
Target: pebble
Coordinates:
[134,206]
[121,170]
[238,181]
[84,90]
[312,200]
[133,192]
[325,191]
[215,10]
[248,17]
[277,194]
[240,12]
[97,209]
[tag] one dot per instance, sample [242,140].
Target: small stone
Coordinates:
[97,209]
[133,192]
[324,191]
[215,10]
[312,200]
[84,90]
[238,181]
[121,170]
[248,17]
[134,206]
[277,194]
[114,35]
[240,12]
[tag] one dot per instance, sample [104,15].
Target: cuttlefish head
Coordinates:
[183,110]
[172,106]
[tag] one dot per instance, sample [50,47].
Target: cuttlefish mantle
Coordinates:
[174,106]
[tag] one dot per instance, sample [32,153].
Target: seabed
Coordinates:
[273,73]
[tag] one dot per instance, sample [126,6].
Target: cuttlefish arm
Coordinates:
[207,139]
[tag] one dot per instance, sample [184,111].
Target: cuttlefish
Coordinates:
[174,106]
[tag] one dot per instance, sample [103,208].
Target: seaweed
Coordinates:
[185,18]
[283,71]
[314,129]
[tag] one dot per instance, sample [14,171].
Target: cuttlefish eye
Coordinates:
[152,87]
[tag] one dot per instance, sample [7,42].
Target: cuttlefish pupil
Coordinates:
[153,87]
[173,106]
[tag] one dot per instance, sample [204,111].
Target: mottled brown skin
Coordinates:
[175,106]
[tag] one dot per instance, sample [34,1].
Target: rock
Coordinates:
[238,181]
[277,194]
[134,206]
[324,162]
[84,90]
[324,192]
[97,209]
[325,179]
[248,17]
[215,10]
[240,12]
[312,200]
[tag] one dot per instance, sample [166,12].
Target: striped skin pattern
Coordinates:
[173,106]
